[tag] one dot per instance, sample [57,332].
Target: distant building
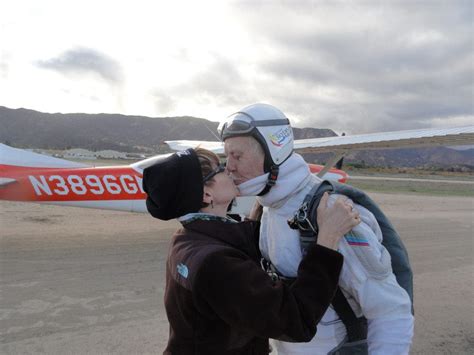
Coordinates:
[78,153]
[110,154]
[135,156]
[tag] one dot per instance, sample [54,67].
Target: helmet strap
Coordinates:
[272,177]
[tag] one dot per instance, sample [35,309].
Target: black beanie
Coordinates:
[174,186]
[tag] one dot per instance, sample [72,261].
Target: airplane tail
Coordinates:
[22,158]
[13,161]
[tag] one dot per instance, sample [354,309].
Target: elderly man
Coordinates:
[259,149]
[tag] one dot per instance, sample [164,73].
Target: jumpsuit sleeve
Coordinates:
[244,296]
[372,289]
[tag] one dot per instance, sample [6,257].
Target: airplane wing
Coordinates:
[389,140]
[383,140]
[216,147]
[341,145]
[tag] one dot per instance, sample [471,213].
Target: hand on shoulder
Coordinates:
[335,221]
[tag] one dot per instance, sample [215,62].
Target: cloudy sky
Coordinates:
[353,66]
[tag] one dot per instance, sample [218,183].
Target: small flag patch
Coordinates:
[358,241]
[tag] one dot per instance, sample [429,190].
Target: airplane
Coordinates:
[31,177]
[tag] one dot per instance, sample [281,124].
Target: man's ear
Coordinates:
[207,195]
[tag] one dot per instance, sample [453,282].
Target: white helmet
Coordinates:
[270,127]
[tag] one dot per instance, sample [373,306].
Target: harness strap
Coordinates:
[356,327]
[272,177]
[274,274]
[305,220]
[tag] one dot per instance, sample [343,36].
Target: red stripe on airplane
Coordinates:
[315,168]
[71,184]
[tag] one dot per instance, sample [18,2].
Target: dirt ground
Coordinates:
[79,281]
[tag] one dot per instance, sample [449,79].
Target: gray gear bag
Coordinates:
[305,220]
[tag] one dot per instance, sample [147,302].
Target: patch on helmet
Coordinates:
[280,137]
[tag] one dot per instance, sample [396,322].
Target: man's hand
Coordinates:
[335,221]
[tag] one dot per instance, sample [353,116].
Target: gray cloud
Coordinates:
[220,83]
[221,80]
[163,102]
[370,65]
[85,60]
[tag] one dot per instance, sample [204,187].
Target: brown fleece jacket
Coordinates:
[219,300]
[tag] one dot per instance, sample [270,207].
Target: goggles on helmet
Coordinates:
[220,168]
[242,124]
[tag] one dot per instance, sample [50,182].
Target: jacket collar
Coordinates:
[205,217]
[293,177]
[241,235]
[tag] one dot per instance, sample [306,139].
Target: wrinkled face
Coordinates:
[245,158]
[222,188]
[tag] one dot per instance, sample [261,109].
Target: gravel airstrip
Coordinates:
[79,281]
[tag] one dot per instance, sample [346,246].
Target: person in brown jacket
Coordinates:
[218,299]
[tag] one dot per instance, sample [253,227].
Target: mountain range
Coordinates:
[26,128]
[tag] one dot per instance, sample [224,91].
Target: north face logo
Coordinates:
[183,270]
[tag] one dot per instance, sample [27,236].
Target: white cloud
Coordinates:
[351,66]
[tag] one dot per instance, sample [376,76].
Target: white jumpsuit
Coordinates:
[366,280]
